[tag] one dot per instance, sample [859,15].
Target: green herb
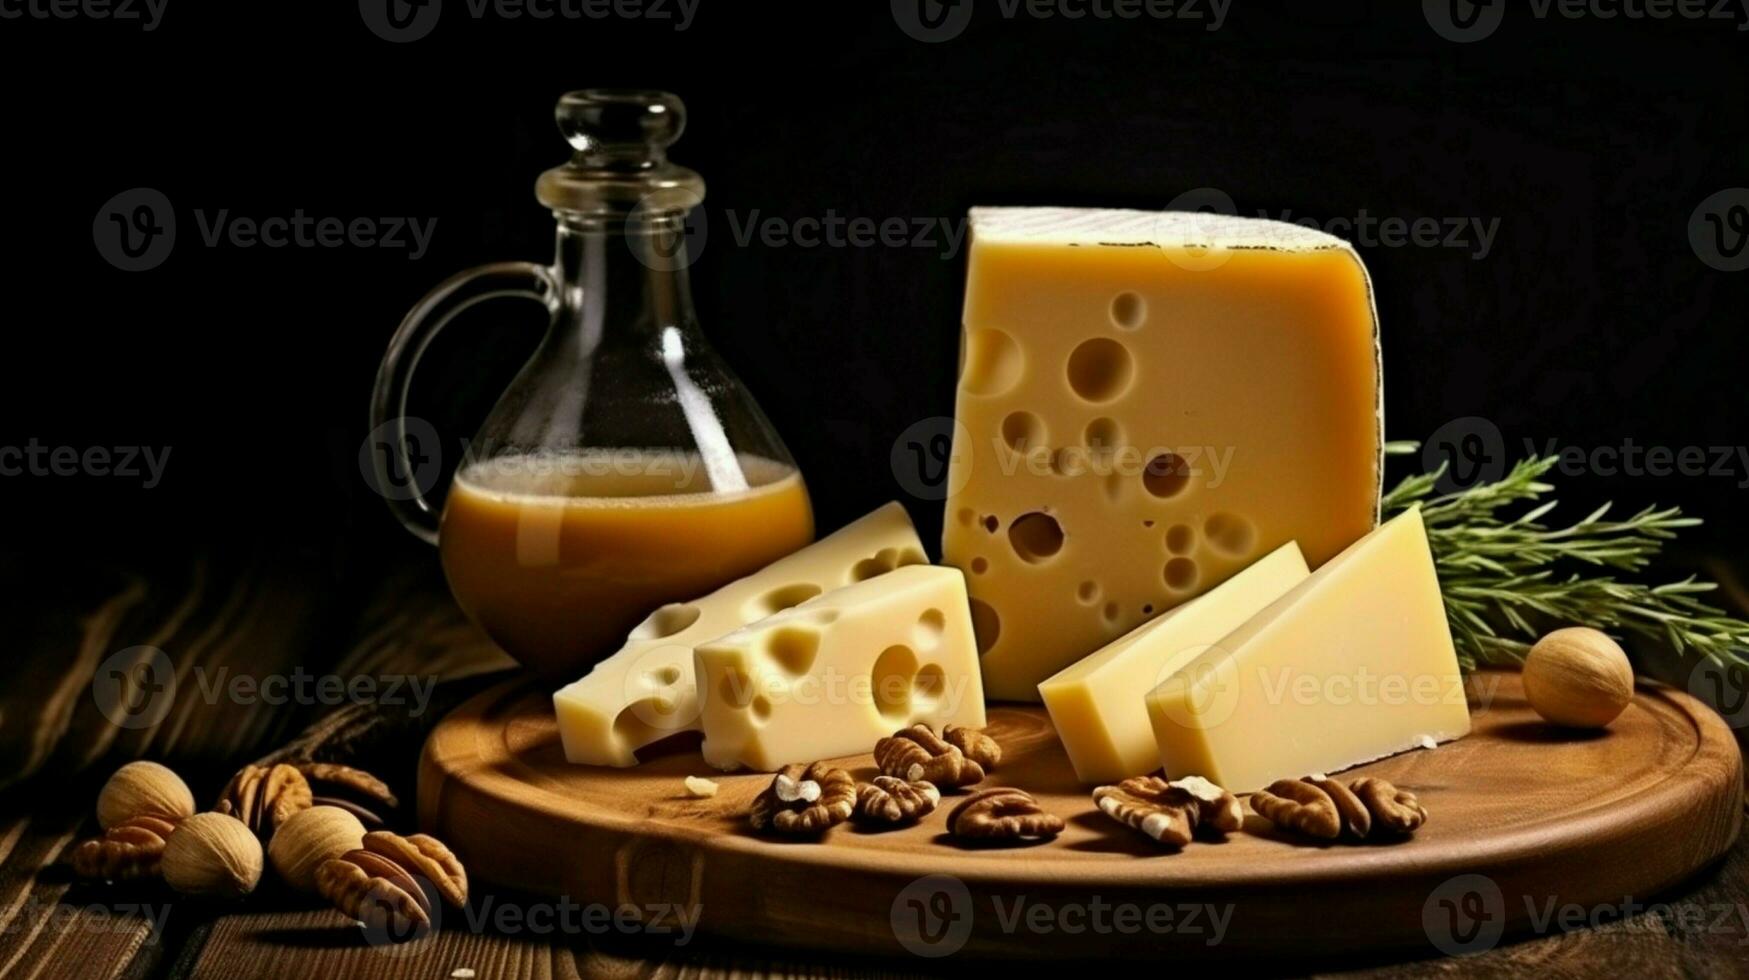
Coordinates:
[1507,580]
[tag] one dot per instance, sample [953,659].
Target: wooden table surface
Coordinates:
[218,618]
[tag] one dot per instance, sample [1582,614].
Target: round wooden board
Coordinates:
[1549,818]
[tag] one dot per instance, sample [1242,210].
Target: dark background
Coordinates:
[1590,322]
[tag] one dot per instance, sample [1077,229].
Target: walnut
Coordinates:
[1318,806]
[891,800]
[128,850]
[212,855]
[140,789]
[917,754]
[802,799]
[1002,814]
[392,883]
[354,790]
[1171,812]
[263,797]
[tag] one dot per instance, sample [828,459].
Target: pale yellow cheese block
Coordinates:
[1351,665]
[1149,402]
[1098,704]
[835,674]
[645,691]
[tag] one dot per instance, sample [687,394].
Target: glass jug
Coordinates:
[626,467]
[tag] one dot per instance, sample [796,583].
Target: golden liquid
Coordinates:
[557,558]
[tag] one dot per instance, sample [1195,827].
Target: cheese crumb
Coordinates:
[462,973]
[1427,742]
[700,788]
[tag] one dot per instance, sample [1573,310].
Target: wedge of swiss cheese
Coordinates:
[645,692]
[836,674]
[1353,664]
[1148,403]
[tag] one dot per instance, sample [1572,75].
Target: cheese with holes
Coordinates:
[1098,704]
[837,673]
[1353,664]
[1148,403]
[645,691]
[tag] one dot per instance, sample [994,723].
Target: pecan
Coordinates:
[354,790]
[263,797]
[392,883]
[1171,812]
[974,745]
[131,849]
[917,754]
[891,800]
[1002,814]
[1321,807]
[802,799]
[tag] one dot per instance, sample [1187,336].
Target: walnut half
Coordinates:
[1002,814]
[1171,812]
[891,800]
[959,756]
[809,799]
[1321,807]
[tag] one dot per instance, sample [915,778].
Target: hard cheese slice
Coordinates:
[1150,402]
[1098,704]
[645,692]
[1353,664]
[835,674]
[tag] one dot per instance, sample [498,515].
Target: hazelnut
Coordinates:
[142,789]
[1578,677]
[312,836]
[211,855]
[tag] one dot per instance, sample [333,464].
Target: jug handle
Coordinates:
[388,414]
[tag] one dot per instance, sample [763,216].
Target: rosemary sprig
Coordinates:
[1507,580]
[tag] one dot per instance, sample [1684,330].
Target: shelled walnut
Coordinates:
[801,800]
[1171,812]
[129,850]
[393,883]
[263,797]
[959,756]
[891,800]
[354,790]
[1002,814]
[1321,807]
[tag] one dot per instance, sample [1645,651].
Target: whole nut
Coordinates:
[143,789]
[310,837]
[1578,677]
[211,855]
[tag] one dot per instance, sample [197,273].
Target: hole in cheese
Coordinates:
[793,649]
[1129,311]
[930,627]
[891,680]
[1181,539]
[991,523]
[761,708]
[994,363]
[1166,475]
[986,624]
[666,621]
[1088,593]
[781,598]
[883,562]
[930,685]
[1182,574]
[980,566]
[1023,430]
[1230,534]
[1100,369]
[664,676]
[736,688]
[1035,537]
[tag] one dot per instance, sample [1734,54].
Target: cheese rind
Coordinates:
[1098,704]
[1353,664]
[1150,402]
[646,692]
[837,673]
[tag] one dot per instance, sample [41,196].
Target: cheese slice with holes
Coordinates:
[1148,403]
[645,691]
[1098,703]
[837,673]
[1353,664]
